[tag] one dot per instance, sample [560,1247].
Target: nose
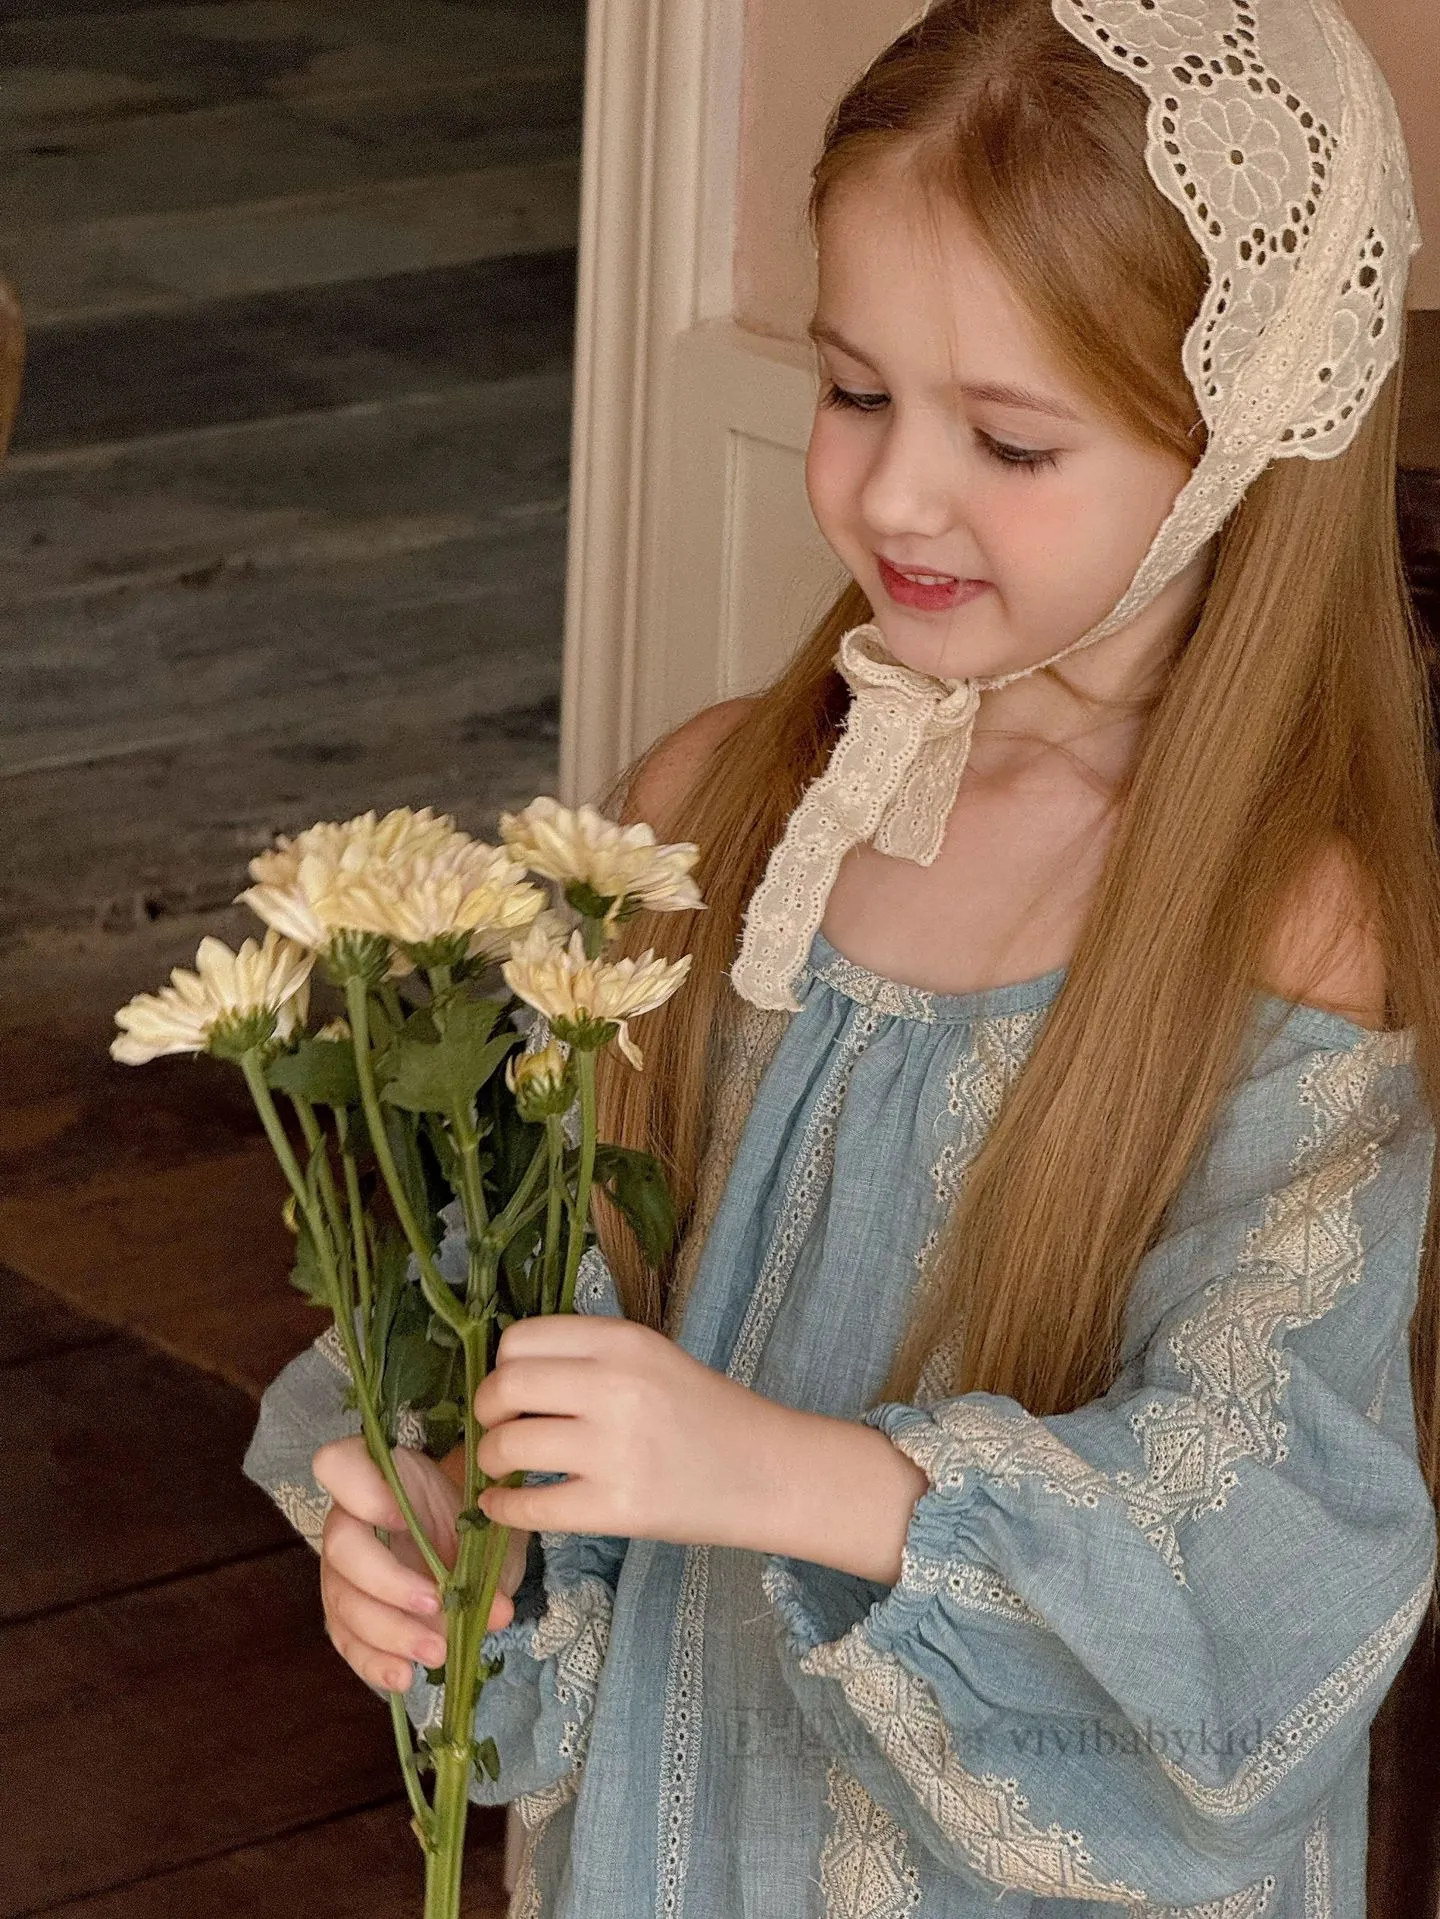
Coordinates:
[911,486]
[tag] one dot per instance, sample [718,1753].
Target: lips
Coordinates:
[928,596]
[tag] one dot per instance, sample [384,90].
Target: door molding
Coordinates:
[693,560]
[657,223]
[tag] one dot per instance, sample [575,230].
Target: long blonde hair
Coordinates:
[1296,711]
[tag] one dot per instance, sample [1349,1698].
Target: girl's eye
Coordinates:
[1032,459]
[840,397]
[1029,457]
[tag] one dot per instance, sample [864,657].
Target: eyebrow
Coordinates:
[999,392]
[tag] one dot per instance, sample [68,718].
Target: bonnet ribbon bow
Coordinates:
[892,778]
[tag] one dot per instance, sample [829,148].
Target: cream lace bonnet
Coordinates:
[1274,133]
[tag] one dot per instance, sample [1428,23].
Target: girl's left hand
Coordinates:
[656,1445]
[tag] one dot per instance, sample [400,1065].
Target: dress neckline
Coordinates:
[858,982]
[1312,1024]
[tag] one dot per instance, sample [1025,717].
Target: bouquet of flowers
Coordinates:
[401,1114]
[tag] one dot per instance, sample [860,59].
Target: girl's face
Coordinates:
[947,439]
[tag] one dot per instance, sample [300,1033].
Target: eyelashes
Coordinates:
[1028,459]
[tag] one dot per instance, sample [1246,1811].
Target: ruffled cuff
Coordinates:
[853,1653]
[836,1625]
[302,1410]
[819,1606]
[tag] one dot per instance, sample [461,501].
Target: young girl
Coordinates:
[1014,1488]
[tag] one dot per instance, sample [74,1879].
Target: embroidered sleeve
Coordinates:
[1134,1647]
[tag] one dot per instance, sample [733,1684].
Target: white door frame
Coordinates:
[693,559]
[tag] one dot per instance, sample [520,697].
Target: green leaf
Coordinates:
[519,1265]
[421,1026]
[415,1370]
[442,1334]
[307,1275]
[444,1425]
[390,1259]
[415,1373]
[320,1070]
[487,1755]
[636,1182]
[513,1140]
[443,1076]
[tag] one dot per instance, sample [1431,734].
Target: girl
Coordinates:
[1019,1486]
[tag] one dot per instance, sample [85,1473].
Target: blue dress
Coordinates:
[1135,1649]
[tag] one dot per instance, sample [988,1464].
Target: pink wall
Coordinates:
[799,56]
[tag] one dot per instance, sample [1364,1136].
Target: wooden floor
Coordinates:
[180,1740]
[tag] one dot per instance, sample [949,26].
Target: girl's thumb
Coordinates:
[347,1472]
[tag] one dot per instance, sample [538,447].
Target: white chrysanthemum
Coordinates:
[556,926]
[238,999]
[613,861]
[571,990]
[303,886]
[463,891]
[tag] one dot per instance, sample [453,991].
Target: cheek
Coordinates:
[1093,525]
[834,471]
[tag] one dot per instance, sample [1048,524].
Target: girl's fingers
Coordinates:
[349,1546]
[378,1641]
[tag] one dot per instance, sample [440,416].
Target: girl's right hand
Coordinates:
[381,1604]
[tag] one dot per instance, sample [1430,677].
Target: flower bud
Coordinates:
[542,1082]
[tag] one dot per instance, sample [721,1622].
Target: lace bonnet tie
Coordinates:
[1272,130]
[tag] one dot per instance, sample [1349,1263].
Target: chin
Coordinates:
[927,648]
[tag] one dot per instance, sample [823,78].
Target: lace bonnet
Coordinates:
[1272,130]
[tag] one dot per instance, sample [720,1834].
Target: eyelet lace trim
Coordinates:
[684,1684]
[892,777]
[536,1810]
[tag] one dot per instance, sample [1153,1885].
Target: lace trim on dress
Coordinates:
[684,1692]
[865,1869]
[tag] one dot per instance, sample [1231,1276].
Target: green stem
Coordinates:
[472,1204]
[319,1159]
[358,1229]
[437,1292]
[517,1210]
[555,1143]
[477,1569]
[423,1822]
[344,1322]
[573,1251]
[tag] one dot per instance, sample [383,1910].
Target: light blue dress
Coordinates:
[1134,1651]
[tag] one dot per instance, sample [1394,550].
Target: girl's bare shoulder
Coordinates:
[672,765]
[1326,949]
